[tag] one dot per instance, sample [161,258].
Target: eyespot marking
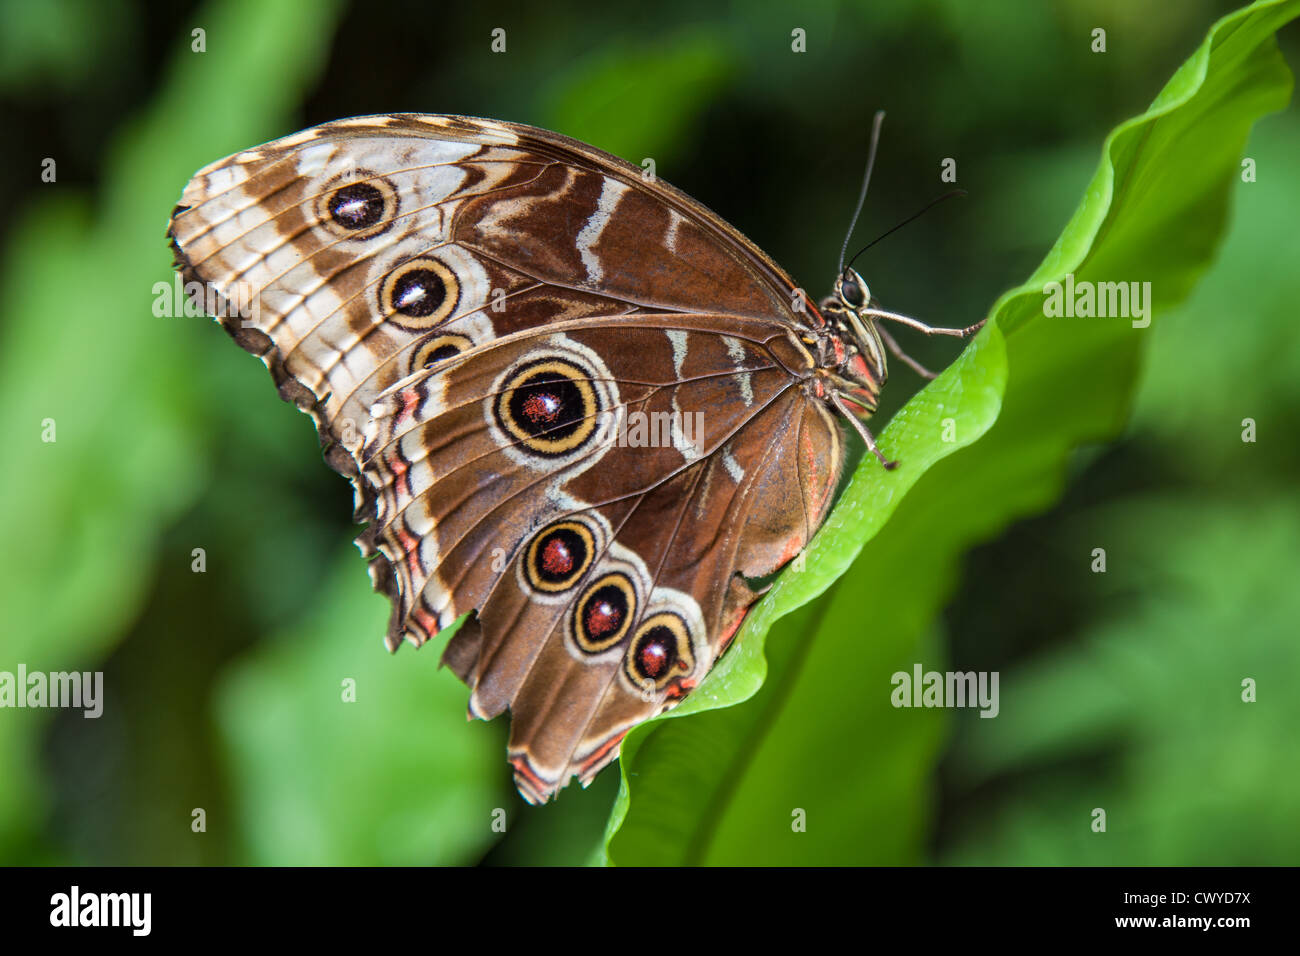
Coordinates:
[548,406]
[660,653]
[357,205]
[437,349]
[602,616]
[559,555]
[419,294]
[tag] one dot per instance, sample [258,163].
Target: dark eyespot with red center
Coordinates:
[546,404]
[604,613]
[558,557]
[660,653]
[548,407]
[357,206]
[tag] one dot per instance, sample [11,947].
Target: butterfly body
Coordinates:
[481,318]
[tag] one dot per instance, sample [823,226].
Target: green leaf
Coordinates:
[394,776]
[1104,721]
[822,743]
[109,373]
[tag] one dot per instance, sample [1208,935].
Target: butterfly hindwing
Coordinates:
[691,455]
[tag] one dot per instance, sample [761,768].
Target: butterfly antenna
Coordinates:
[866,181]
[917,215]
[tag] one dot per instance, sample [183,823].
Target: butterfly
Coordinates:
[577,407]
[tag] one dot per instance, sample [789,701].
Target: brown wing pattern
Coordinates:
[571,401]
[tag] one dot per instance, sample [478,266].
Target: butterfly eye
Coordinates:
[604,613]
[660,652]
[851,291]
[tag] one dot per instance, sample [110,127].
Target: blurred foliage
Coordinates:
[1137,708]
[373,782]
[134,438]
[223,688]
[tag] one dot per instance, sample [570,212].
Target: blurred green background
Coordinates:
[223,688]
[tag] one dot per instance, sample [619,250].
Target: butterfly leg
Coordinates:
[897,349]
[921,326]
[910,322]
[862,430]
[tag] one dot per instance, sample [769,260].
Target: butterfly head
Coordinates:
[857,356]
